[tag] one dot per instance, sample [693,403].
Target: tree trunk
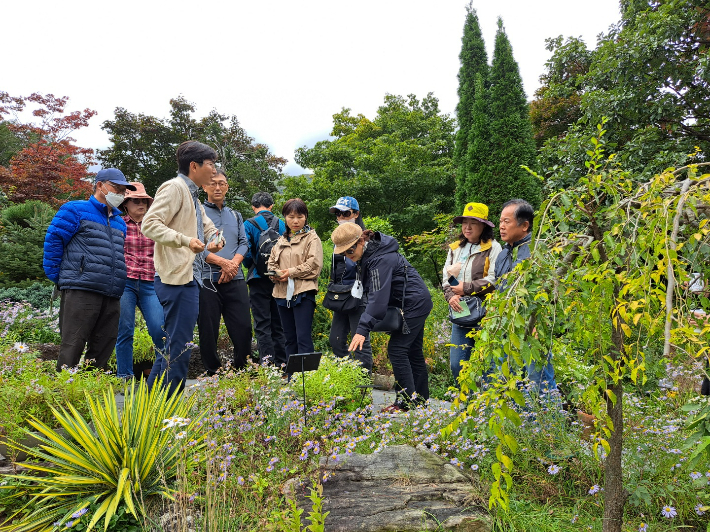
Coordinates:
[614,493]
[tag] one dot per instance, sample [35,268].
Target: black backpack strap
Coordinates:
[274,224]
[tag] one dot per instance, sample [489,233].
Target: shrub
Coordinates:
[335,378]
[36,293]
[23,229]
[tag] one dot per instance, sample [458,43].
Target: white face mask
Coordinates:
[113,199]
[341,221]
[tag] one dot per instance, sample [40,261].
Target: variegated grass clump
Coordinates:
[114,458]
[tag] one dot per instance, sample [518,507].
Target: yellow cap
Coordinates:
[477,211]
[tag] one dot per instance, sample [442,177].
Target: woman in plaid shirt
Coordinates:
[139,290]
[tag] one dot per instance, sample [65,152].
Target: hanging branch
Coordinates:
[669,270]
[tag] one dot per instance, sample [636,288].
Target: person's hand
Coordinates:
[196,246]
[458,289]
[454,303]
[281,275]
[229,271]
[225,277]
[214,247]
[357,342]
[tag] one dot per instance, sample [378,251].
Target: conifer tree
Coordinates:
[509,136]
[476,187]
[474,61]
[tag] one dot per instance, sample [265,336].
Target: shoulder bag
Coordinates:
[476,312]
[394,317]
[339,297]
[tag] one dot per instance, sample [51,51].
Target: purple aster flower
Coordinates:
[699,509]
[643,527]
[594,489]
[668,512]
[553,469]
[695,475]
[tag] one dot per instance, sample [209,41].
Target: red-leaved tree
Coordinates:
[49,167]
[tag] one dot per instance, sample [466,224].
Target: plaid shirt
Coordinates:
[138,250]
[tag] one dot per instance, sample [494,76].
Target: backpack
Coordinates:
[267,240]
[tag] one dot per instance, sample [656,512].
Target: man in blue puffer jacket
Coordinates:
[83,256]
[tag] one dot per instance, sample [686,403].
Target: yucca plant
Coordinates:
[123,459]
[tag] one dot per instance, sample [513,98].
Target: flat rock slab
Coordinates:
[399,489]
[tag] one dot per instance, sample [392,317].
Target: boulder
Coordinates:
[402,489]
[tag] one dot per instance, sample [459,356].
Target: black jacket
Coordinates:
[383,278]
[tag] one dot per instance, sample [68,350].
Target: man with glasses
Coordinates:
[224,290]
[83,256]
[267,323]
[178,225]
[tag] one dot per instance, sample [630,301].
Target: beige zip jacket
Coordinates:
[171,222]
[302,256]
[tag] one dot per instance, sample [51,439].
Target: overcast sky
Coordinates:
[284,67]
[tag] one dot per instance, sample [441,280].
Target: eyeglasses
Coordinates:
[343,214]
[220,184]
[351,251]
[120,189]
[138,201]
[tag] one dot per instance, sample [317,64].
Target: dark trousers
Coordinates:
[87,319]
[297,322]
[267,322]
[345,323]
[406,353]
[230,300]
[180,309]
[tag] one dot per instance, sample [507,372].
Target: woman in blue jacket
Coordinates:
[390,281]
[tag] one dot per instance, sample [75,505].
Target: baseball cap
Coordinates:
[115,176]
[346,203]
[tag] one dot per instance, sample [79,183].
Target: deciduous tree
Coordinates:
[144,146]
[49,167]
[398,165]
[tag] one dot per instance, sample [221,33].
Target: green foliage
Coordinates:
[335,378]
[122,462]
[557,102]
[649,77]
[29,325]
[144,146]
[473,75]
[10,144]
[36,294]
[22,240]
[398,166]
[598,270]
[427,252]
[31,388]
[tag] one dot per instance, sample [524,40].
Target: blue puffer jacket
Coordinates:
[83,249]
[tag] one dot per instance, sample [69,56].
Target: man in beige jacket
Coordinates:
[177,223]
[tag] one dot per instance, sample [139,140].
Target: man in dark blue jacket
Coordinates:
[267,323]
[516,223]
[83,256]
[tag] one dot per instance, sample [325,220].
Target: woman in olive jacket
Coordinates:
[296,261]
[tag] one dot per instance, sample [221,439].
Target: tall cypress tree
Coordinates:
[474,61]
[509,135]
